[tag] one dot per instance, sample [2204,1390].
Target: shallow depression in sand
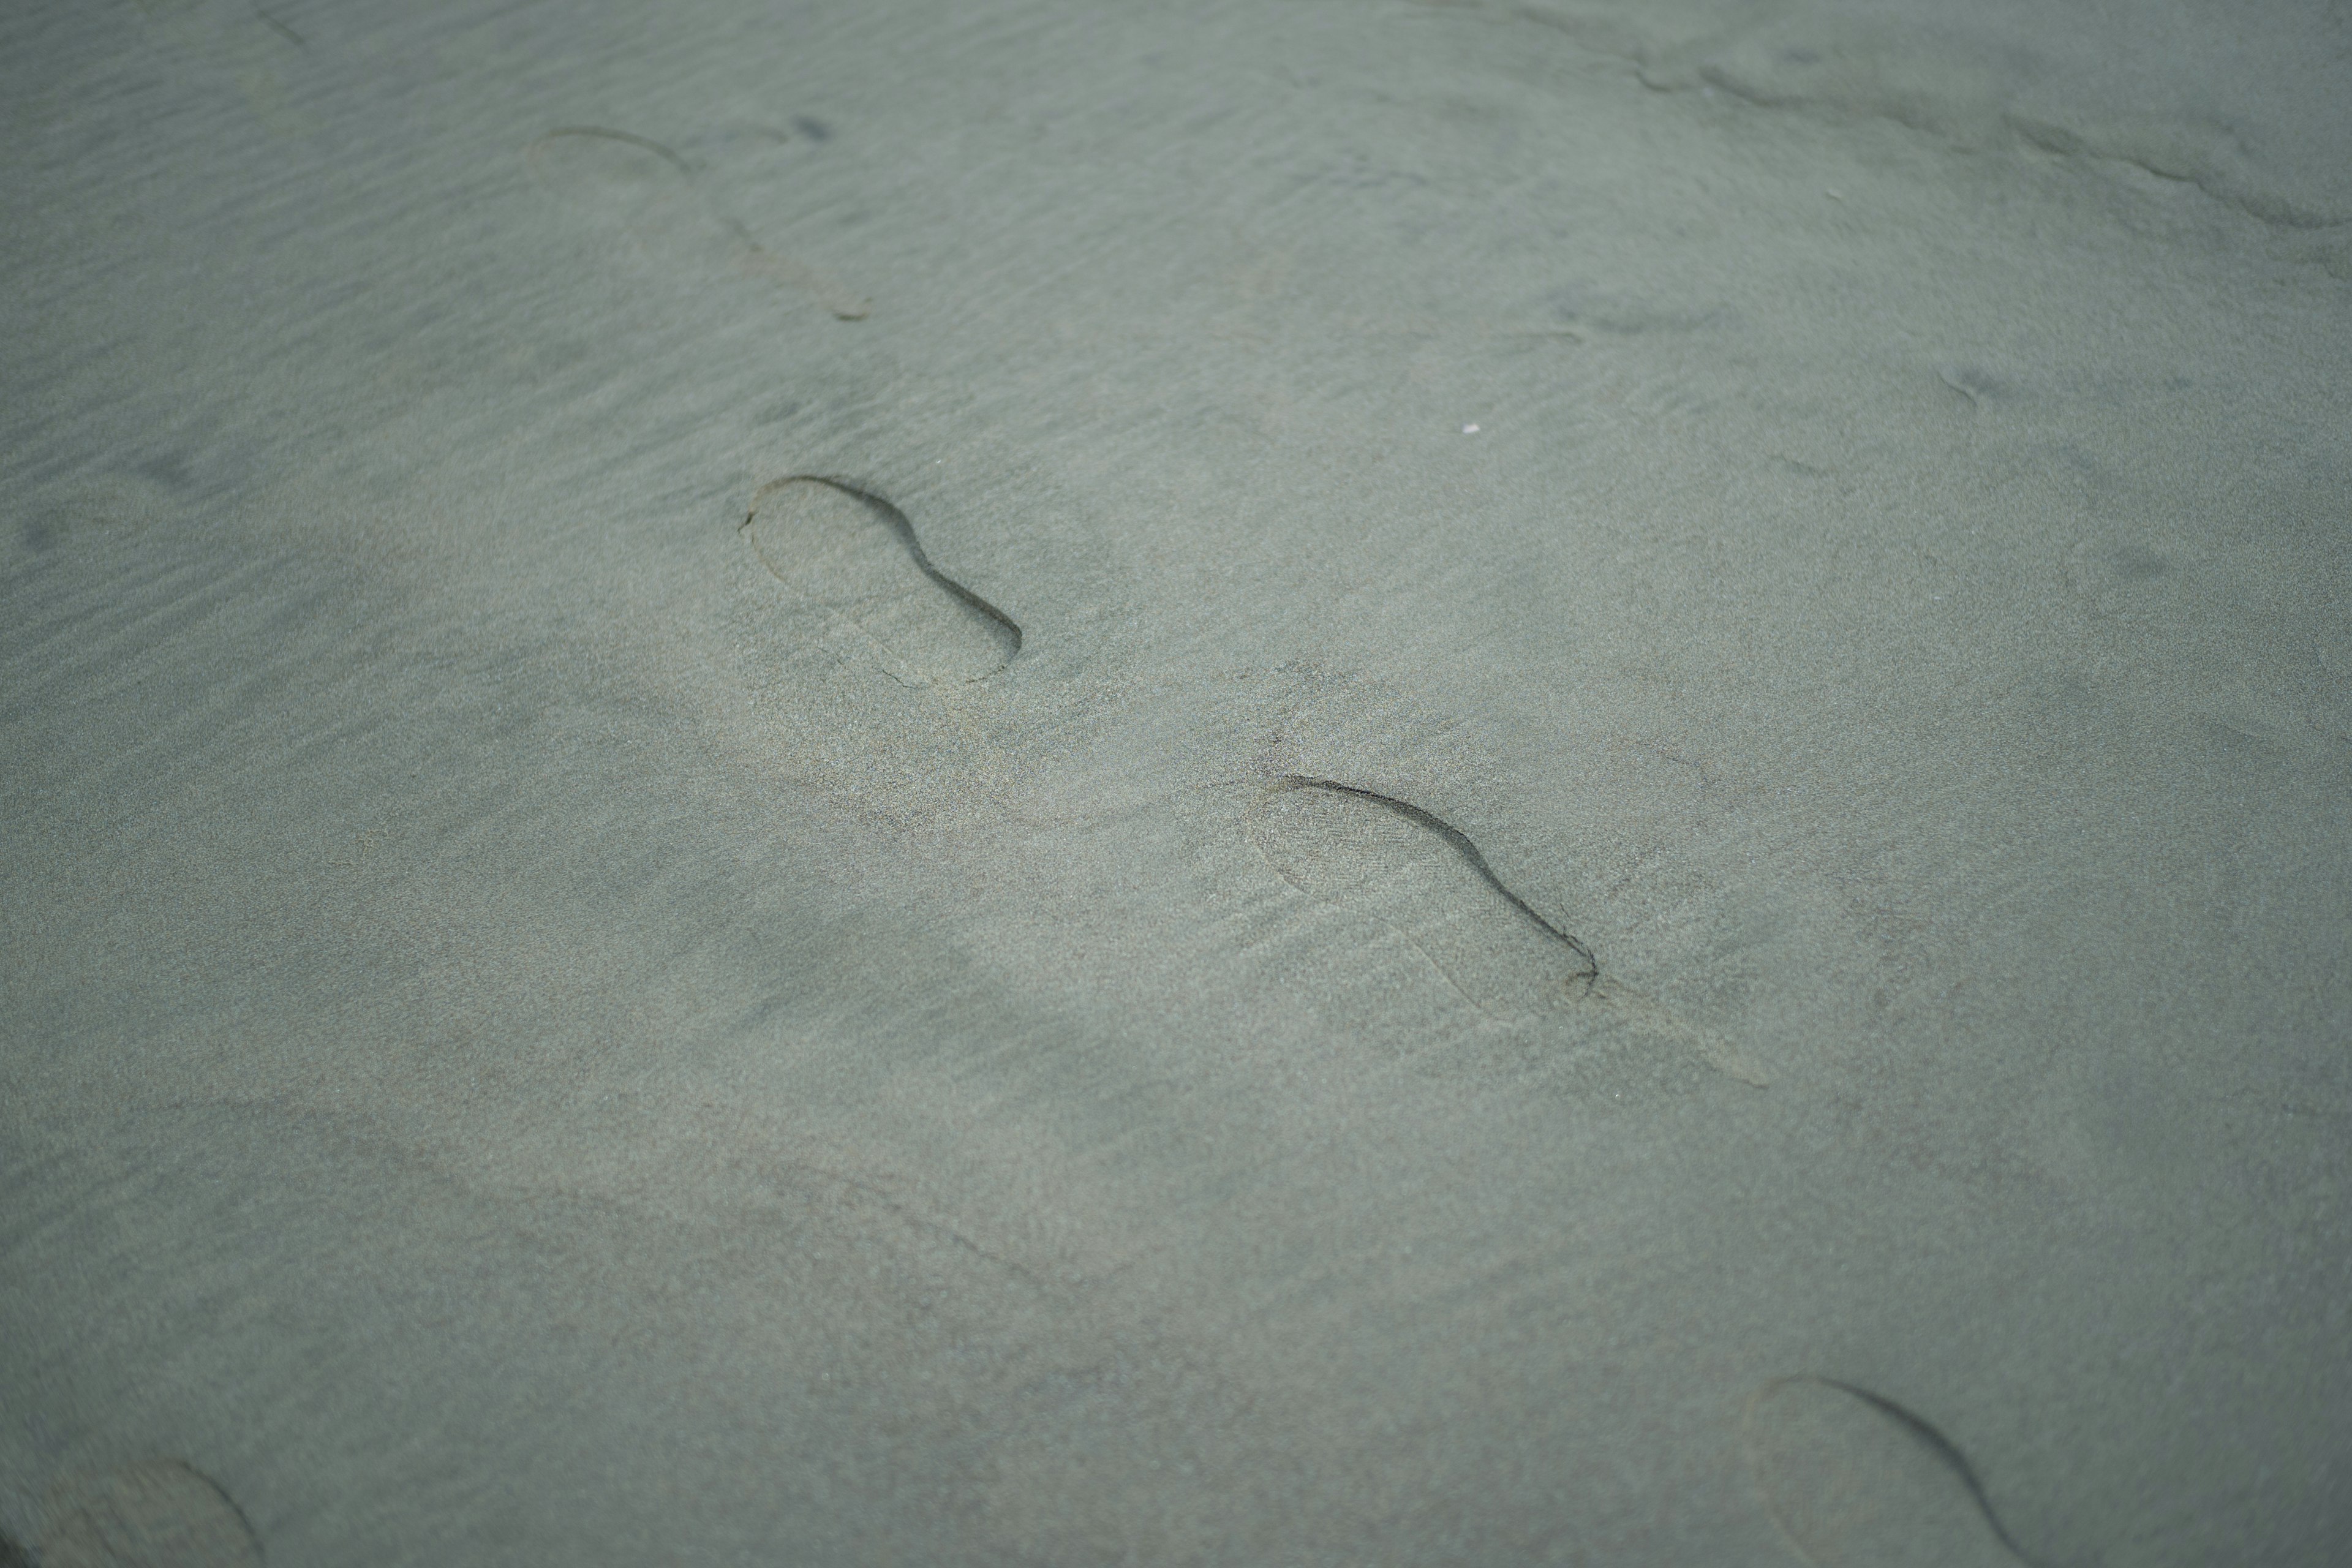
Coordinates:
[856,557]
[647,196]
[1855,1480]
[157,1513]
[1427,882]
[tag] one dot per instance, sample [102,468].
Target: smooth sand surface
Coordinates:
[1325,782]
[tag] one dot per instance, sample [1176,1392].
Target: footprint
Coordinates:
[1430,884]
[157,1513]
[856,556]
[641,190]
[246,44]
[1852,1477]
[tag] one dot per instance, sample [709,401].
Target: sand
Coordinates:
[1057,783]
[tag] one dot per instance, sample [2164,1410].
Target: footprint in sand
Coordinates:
[856,557]
[1855,1480]
[648,195]
[157,1513]
[1430,884]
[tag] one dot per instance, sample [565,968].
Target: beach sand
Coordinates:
[1049,783]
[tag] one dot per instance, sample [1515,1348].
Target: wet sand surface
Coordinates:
[1068,784]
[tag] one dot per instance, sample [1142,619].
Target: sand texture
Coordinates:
[1054,784]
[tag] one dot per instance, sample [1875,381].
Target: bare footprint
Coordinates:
[1429,883]
[1853,1478]
[643,191]
[236,41]
[857,556]
[157,1513]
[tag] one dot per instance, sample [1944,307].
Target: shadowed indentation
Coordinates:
[1581,972]
[1429,882]
[150,1514]
[1977,386]
[653,194]
[1850,1477]
[280,29]
[858,557]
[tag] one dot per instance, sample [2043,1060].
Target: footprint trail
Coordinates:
[1428,881]
[1852,1479]
[150,1514]
[856,556]
[647,194]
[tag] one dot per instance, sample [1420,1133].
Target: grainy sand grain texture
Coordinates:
[780,784]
